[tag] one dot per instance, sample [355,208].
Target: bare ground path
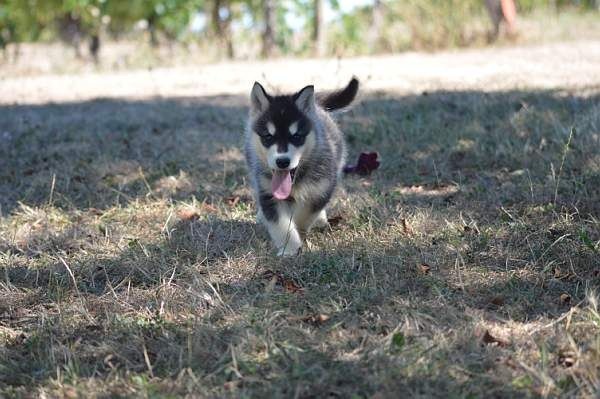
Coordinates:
[562,65]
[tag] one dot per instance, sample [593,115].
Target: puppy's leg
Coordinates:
[321,221]
[277,217]
[311,213]
[283,232]
[306,218]
[260,217]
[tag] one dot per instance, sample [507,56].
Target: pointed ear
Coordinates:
[305,99]
[259,99]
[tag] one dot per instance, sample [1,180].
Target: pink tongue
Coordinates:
[281,184]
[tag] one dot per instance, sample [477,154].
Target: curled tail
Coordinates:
[339,99]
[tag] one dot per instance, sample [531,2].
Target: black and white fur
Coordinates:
[295,133]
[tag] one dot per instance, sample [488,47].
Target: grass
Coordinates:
[467,266]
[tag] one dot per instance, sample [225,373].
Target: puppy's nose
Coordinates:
[282,162]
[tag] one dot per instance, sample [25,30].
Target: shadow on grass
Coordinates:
[100,153]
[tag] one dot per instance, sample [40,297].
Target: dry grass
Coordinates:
[467,266]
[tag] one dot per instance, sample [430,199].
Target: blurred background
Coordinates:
[64,36]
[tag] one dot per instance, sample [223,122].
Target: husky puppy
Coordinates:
[295,154]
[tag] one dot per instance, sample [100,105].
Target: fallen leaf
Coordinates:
[406,227]
[208,207]
[269,274]
[563,274]
[232,200]
[291,286]
[188,214]
[497,300]
[367,163]
[335,220]
[107,361]
[69,392]
[424,268]
[567,358]
[490,339]
[565,299]
[95,211]
[287,283]
[511,363]
[316,320]
[557,273]
[231,385]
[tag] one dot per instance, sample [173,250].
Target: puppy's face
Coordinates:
[281,126]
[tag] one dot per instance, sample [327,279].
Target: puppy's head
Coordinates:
[282,132]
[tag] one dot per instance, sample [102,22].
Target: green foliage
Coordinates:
[34,20]
[531,5]
[172,17]
[429,24]
[418,24]
[24,21]
[347,35]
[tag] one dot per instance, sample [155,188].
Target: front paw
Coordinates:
[260,218]
[289,251]
[320,224]
[321,221]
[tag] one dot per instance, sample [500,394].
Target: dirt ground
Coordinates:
[562,65]
[468,265]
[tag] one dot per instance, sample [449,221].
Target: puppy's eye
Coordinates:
[267,139]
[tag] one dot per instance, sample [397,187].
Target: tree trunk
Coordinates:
[71,32]
[376,26]
[494,8]
[95,47]
[319,29]
[222,26]
[269,33]
[152,29]
[216,19]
